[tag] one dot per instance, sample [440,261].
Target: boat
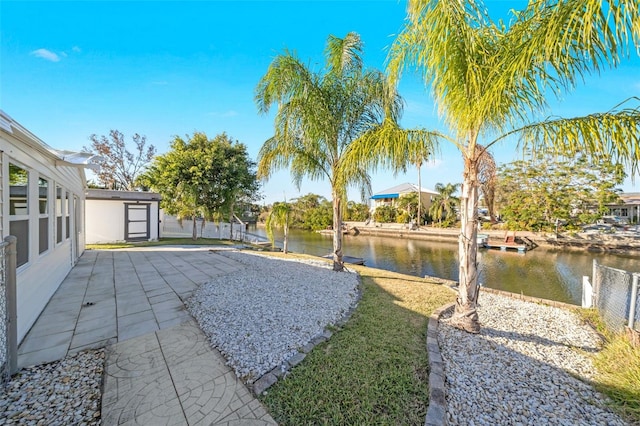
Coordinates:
[482,240]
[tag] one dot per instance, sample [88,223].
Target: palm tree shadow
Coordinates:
[519,375]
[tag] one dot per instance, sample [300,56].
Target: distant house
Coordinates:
[122,216]
[43,206]
[629,209]
[390,196]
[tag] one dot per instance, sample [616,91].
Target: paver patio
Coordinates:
[159,367]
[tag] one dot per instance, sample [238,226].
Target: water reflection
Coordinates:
[549,274]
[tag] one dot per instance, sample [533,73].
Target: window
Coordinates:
[19,211]
[43,207]
[59,206]
[66,214]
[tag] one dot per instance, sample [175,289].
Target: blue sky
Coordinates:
[159,68]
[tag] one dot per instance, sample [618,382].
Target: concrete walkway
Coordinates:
[159,367]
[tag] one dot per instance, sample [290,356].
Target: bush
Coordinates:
[385,214]
[402,217]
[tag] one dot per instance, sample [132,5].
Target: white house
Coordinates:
[122,216]
[43,206]
[390,196]
[629,209]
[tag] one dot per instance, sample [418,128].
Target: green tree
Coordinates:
[279,216]
[357,212]
[320,114]
[119,167]
[201,177]
[311,212]
[385,214]
[445,204]
[534,194]
[491,80]
[410,204]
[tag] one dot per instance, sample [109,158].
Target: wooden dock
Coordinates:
[521,248]
[510,242]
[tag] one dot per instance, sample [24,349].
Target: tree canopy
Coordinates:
[201,177]
[119,167]
[534,194]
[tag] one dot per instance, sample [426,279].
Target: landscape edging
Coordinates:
[280,372]
[437,410]
[436,413]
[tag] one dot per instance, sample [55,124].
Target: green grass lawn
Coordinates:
[164,242]
[375,369]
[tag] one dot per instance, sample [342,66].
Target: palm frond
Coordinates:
[613,135]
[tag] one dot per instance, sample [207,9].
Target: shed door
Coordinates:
[136,222]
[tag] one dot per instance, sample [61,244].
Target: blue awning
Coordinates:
[380,196]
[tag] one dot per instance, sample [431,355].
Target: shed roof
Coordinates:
[108,194]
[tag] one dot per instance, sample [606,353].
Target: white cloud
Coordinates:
[76,49]
[433,164]
[46,54]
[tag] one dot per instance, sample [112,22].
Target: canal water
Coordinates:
[549,274]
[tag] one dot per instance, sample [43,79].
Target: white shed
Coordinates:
[114,216]
[43,206]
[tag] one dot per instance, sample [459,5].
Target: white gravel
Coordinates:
[520,369]
[261,316]
[65,392]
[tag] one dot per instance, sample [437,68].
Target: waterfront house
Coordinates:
[390,196]
[43,192]
[628,209]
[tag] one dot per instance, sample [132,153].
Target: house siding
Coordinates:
[41,275]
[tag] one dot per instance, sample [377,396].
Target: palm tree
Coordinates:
[279,216]
[320,114]
[491,80]
[445,203]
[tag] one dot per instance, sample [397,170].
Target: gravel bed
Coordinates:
[65,392]
[522,368]
[261,316]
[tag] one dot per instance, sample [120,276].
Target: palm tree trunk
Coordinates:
[338,264]
[194,232]
[285,244]
[419,194]
[466,315]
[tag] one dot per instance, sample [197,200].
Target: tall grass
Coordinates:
[618,368]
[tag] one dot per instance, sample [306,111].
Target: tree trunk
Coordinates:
[419,194]
[194,234]
[338,264]
[466,315]
[285,244]
[231,222]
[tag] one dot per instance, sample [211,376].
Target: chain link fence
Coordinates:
[4,318]
[616,296]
